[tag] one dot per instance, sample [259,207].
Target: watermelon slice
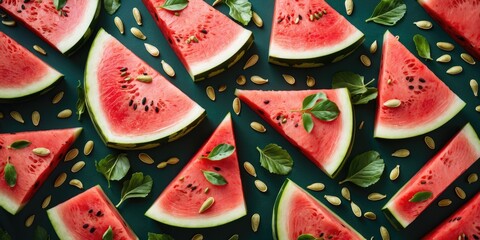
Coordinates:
[128,112]
[179,204]
[88,216]
[296,212]
[435,176]
[459,19]
[32,170]
[426,102]
[65,30]
[206,41]
[297,41]
[463,224]
[328,144]
[23,74]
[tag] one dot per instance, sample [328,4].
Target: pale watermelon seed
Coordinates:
[255,222]
[455,70]
[234,237]
[310,81]
[168,69]
[316,187]
[474,87]
[356,209]
[373,47]
[88,148]
[72,154]
[241,80]
[257,20]
[360,127]
[384,233]
[289,79]
[41,151]
[446,46]
[460,193]
[423,24]
[250,169]
[119,24]
[17,116]
[477,108]
[401,153]
[9,23]
[35,118]
[173,160]
[444,202]
[197,236]
[334,200]
[365,60]
[152,50]
[430,142]
[392,103]
[467,58]
[137,16]
[349,7]
[76,183]
[258,80]
[60,180]
[206,190]
[370,215]
[376,196]
[145,158]
[445,58]
[472,178]
[162,165]
[222,88]
[29,221]
[206,205]
[77,166]
[258,127]
[251,61]
[58,97]
[65,114]
[236,105]
[46,201]
[261,186]
[137,33]
[210,93]
[39,50]
[395,173]
[346,193]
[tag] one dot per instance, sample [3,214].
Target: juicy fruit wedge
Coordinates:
[32,170]
[128,112]
[463,224]
[426,102]
[435,176]
[88,216]
[297,40]
[65,30]
[180,202]
[328,144]
[296,212]
[206,41]
[23,74]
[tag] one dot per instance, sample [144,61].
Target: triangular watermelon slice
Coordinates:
[180,202]
[328,144]
[426,103]
[32,169]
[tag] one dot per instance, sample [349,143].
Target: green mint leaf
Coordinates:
[365,169]
[310,100]
[421,196]
[10,174]
[158,236]
[113,167]
[40,234]
[175,5]
[240,10]
[307,122]
[59,4]
[80,101]
[214,178]
[137,187]
[388,12]
[365,97]
[422,46]
[275,159]
[353,82]
[221,151]
[325,110]
[108,235]
[4,235]
[306,237]
[111,6]
[20,144]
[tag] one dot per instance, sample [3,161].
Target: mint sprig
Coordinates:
[318,106]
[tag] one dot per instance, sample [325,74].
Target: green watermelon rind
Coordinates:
[55,79]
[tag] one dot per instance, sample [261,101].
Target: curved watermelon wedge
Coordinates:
[328,144]
[23,74]
[426,102]
[88,216]
[296,213]
[206,41]
[435,176]
[32,170]
[463,224]
[310,34]
[128,111]
[179,204]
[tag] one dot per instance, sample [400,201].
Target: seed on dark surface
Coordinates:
[85,225]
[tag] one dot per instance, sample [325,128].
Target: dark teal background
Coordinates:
[304,172]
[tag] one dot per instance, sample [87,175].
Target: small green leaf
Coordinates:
[39,234]
[214,178]
[240,10]
[307,122]
[4,235]
[365,97]
[10,174]
[19,144]
[59,4]
[421,196]
[111,6]
[158,236]
[80,101]
[113,167]
[353,82]
[108,235]
[306,237]
[275,159]
[310,100]
[175,5]
[137,187]
[221,151]
[388,12]
[365,169]
[325,110]
[422,46]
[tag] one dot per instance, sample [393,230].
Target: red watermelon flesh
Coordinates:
[460,19]
[219,42]
[435,176]
[426,102]
[61,30]
[88,216]
[328,144]
[23,73]
[32,170]
[296,212]
[463,224]
[179,204]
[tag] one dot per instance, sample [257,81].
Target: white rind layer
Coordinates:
[41,84]
[10,205]
[57,223]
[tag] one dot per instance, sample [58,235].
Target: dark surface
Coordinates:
[304,172]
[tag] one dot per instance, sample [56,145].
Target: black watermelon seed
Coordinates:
[422,80]
[134,106]
[296,124]
[124,86]
[189,185]
[151,103]
[144,100]
[123,69]
[23,7]
[146,108]
[92,230]
[90,211]
[411,87]
[85,225]
[266,101]
[99,213]
[193,188]
[217,169]
[420,87]
[157,110]
[204,31]
[130,102]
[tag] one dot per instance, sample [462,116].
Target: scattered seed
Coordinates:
[137,16]
[250,169]
[365,60]
[137,33]
[455,70]
[173,160]
[206,190]
[444,202]
[467,58]
[346,193]
[376,196]
[58,97]
[152,49]
[162,165]
[210,92]
[168,69]
[395,173]
[29,221]
[144,78]
[384,233]
[477,108]
[39,49]
[88,148]
[257,20]
[9,23]
[216,2]
[289,79]
[423,24]
[206,205]
[46,201]
[255,222]
[333,200]
[41,151]
[474,86]
[472,178]
[17,116]
[60,180]
[241,80]
[145,158]
[373,47]
[1,115]
[222,88]
[360,127]
[119,23]
[401,153]
[197,236]
[370,215]
[310,81]
[77,166]
[35,118]
[76,183]
[460,193]
[251,61]
[236,105]
[258,127]
[392,103]
[356,209]
[234,237]
[316,187]
[430,142]
[445,58]
[72,154]
[445,46]
[349,7]
[261,186]
[258,80]
[65,114]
